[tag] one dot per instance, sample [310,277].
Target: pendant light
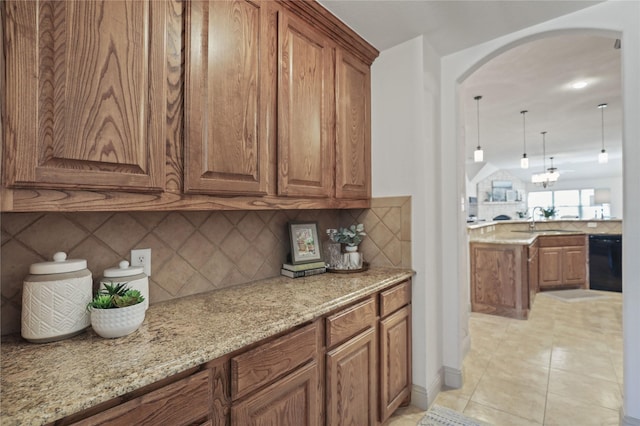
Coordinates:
[478,154]
[524,161]
[603,157]
[548,176]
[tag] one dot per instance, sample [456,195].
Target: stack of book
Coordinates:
[303,269]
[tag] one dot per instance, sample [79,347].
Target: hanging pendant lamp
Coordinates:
[524,161]
[478,154]
[603,157]
[548,176]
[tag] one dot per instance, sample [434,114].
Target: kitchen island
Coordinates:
[42,383]
[511,261]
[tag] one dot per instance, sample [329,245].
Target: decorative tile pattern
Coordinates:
[192,252]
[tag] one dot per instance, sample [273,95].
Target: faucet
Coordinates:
[532,224]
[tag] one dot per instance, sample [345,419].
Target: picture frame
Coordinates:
[305,242]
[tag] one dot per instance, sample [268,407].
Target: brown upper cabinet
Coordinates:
[230,85]
[305,110]
[85,103]
[171,105]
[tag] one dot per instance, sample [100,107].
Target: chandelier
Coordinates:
[548,176]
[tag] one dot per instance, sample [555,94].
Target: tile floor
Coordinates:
[562,366]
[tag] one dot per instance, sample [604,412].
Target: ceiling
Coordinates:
[534,77]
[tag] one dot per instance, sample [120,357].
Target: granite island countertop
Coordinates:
[518,237]
[41,383]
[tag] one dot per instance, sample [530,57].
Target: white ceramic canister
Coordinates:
[54,299]
[133,276]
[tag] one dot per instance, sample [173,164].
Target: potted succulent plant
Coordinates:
[116,310]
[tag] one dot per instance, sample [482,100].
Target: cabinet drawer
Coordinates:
[181,403]
[562,240]
[257,367]
[350,322]
[394,298]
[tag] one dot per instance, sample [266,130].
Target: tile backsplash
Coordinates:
[192,252]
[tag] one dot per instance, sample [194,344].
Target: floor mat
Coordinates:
[574,295]
[442,416]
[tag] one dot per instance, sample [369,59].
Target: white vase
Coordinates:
[352,259]
[117,322]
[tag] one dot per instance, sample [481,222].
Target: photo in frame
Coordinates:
[305,243]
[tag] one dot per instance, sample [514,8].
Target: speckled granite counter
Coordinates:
[516,237]
[45,382]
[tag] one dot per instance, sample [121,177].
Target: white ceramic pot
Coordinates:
[117,322]
[133,276]
[54,299]
[352,259]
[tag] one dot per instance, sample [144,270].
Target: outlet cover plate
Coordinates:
[142,257]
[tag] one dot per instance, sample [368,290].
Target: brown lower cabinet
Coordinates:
[352,366]
[563,261]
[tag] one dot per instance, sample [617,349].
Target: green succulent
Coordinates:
[115,296]
[549,212]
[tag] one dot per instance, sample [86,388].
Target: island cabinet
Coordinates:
[533,262]
[563,261]
[171,105]
[500,279]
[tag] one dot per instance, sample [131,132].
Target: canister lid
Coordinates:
[123,270]
[60,265]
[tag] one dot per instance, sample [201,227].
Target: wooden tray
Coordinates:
[365,266]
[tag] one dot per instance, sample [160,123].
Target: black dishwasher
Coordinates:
[605,262]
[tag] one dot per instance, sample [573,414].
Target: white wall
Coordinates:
[403,163]
[616,18]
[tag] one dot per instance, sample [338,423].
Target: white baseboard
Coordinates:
[452,377]
[419,397]
[424,398]
[628,421]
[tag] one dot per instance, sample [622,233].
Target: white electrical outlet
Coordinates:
[142,257]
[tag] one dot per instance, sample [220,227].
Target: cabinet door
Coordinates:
[533,264]
[291,401]
[305,111]
[574,265]
[351,381]
[85,94]
[395,361]
[353,127]
[230,85]
[550,266]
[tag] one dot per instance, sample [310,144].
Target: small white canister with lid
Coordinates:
[133,276]
[54,299]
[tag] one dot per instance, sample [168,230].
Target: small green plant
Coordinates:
[115,296]
[522,214]
[549,212]
[351,236]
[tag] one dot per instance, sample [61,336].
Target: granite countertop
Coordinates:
[45,382]
[517,237]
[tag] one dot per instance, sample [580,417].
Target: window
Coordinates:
[570,203]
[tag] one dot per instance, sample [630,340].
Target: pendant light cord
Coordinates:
[477,98]
[544,154]
[524,131]
[602,107]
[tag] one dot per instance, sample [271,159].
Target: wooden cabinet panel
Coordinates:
[351,381]
[395,361]
[550,266]
[85,96]
[563,261]
[230,86]
[533,260]
[395,298]
[499,280]
[574,262]
[259,366]
[353,127]
[350,322]
[292,401]
[182,403]
[305,110]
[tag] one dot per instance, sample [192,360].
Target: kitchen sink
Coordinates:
[538,231]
